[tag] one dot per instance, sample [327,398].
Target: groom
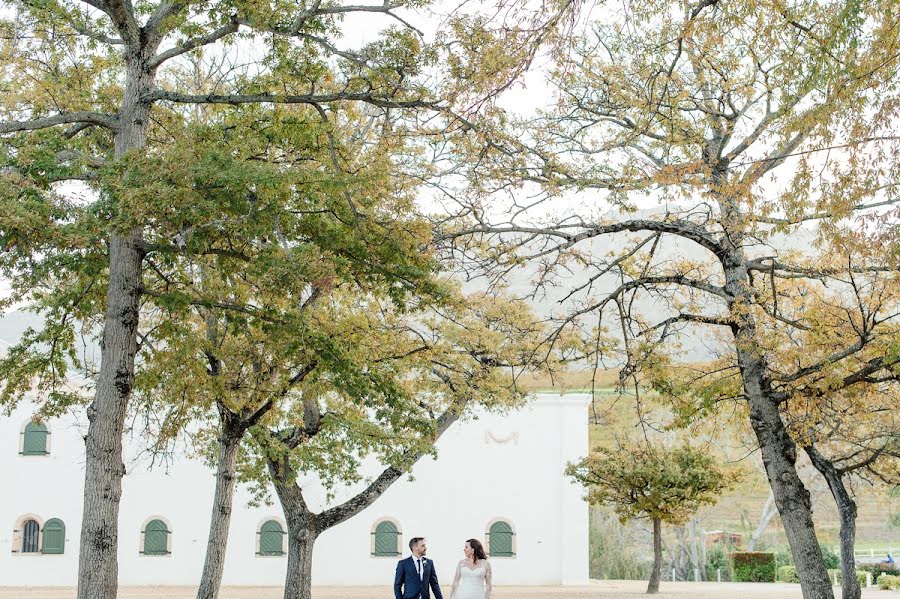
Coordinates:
[415,574]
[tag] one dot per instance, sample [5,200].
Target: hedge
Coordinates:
[789,574]
[889,582]
[752,566]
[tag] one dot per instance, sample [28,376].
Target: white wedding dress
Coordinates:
[472,583]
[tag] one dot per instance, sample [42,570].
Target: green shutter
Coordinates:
[35,442]
[387,540]
[54,540]
[156,538]
[271,539]
[501,540]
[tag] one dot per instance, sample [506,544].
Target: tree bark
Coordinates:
[850,588]
[302,528]
[104,468]
[223,501]
[655,575]
[779,452]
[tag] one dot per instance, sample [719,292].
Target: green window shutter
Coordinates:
[54,537]
[271,539]
[501,540]
[35,442]
[156,538]
[387,540]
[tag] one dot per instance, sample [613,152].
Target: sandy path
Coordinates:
[597,590]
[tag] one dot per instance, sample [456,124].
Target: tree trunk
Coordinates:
[653,585]
[302,530]
[104,468]
[779,455]
[779,452]
[298,582]
[223,500]
[847,511]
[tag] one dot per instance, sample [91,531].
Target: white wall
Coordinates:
[492,467]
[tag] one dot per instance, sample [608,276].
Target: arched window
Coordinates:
[54,541]
[156,538]
[501,539]
[271,538]
[386,539]
[31,532]
[34,439]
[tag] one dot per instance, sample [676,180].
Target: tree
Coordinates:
[851,437]
[407,384]
[761,139]
[662,484]
[87,93]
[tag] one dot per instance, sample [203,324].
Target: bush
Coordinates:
[861,579]
[717,559]
[889,582]
[876,570]
[752,566]
[783,556]
[834,575]
[788,574]
[832,560]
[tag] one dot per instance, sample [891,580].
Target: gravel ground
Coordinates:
[597,590]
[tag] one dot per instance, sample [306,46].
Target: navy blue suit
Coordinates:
[408,585]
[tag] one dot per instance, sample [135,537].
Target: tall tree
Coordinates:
[663,484]
[86,89]
[740,128]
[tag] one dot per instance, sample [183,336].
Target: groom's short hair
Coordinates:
[415,541]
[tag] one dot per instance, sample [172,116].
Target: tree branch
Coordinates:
[235,99]
[193,43]
[65,118]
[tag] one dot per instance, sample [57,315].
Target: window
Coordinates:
[156,538]
[271,538]
[501,539]
[34,439]
[54,541]
[31,532]
[386,539]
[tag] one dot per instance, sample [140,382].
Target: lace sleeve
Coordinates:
[456,580]
[488,579]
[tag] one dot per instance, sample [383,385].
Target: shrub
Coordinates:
[752,566]
[788,574]
[861,579]
[889,582]
[717,559]
[834,575]
[783,556]
[876,570]
[832,560]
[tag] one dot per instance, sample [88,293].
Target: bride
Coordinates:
[473,574]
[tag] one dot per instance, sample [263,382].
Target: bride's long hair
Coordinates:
[478,548]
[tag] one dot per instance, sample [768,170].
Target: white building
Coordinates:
[496,473]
